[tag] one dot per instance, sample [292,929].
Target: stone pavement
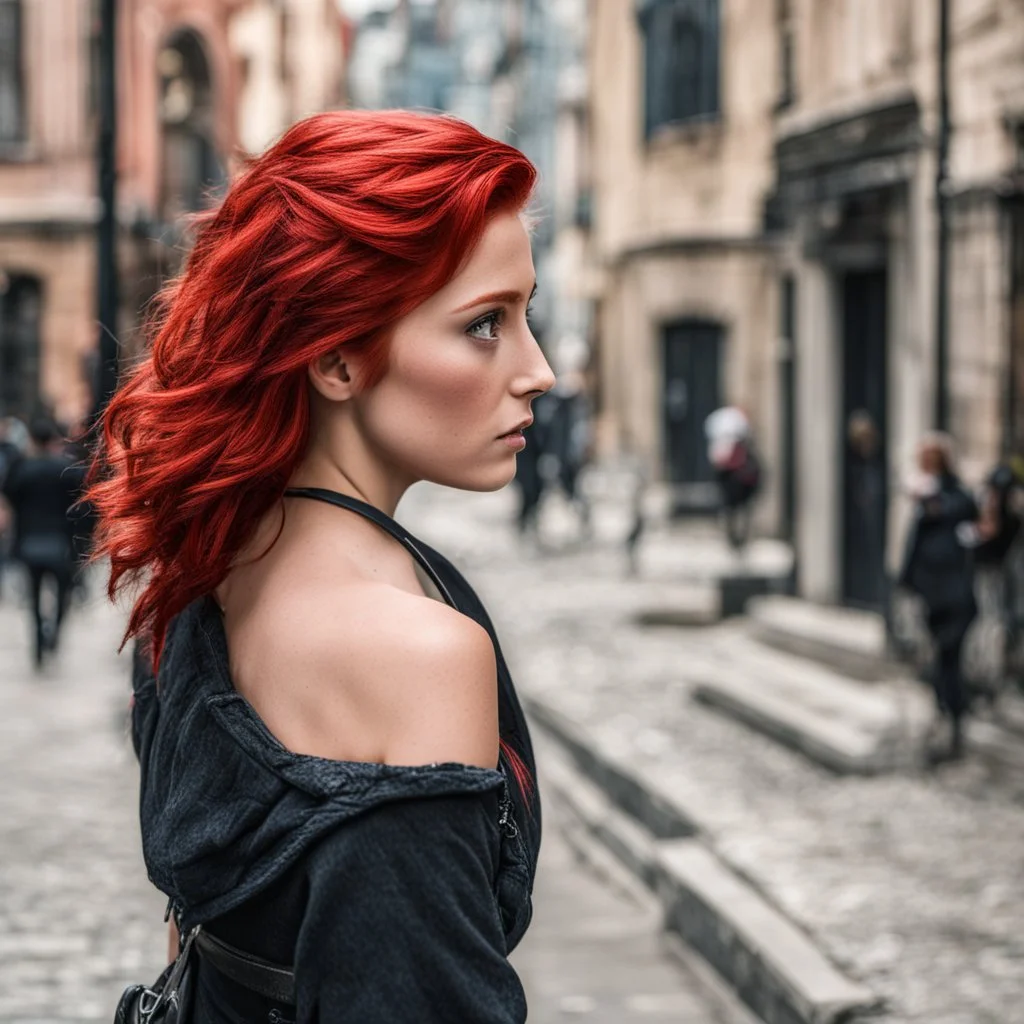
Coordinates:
[78,917]
[79,920]
[911,883]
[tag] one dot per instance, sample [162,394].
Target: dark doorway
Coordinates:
[20,315]
[787,410]
[864,438]
[692,360]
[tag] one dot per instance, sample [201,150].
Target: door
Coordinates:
[863,437]
[20,313]
[787,408]
[692,360]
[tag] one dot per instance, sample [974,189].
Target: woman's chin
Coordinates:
[482,478]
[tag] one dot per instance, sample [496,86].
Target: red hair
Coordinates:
[341,228]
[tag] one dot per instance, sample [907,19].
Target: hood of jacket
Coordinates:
[225,808]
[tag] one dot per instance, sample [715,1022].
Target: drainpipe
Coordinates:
[942,417]
[106,234]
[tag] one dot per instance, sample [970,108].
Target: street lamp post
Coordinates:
[106,236]
[942,403]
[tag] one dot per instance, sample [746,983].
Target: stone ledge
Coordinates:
[771,965]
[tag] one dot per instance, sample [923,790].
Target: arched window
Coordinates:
[681,67]
[20,314]
[12,85]
[191,169]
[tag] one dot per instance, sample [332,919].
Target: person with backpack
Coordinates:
[737,469]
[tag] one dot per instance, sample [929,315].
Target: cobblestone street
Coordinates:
[79,920]
[910,882]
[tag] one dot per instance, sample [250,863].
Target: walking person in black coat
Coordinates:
[41,490]
[939,568]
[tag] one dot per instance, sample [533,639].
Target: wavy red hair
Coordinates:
[341,228]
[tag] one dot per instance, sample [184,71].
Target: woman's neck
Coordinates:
[360,479]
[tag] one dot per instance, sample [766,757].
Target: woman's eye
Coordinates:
[486,328]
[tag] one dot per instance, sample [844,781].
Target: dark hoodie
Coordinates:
[406,887]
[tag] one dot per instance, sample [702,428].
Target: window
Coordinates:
[12,114]
[20,311]
[681,40]
[787,54]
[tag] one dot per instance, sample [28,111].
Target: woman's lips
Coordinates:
[514,439]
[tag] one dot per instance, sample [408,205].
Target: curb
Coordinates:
[768,962]
[654,811]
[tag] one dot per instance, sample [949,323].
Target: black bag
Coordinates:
[169,1000]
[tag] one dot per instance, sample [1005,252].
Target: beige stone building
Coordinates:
[857,153]
[186,92]
[766,224]
[681,128]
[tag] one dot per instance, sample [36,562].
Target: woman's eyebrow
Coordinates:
[503,296]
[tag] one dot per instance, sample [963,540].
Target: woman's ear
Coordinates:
[331,377]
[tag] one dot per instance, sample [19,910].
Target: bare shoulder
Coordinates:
[377,673]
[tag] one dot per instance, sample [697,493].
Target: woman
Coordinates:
[938,567]
[322,784]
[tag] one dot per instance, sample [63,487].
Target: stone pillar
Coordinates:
[817,527]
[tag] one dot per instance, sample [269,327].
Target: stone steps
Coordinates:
[840,723]
[850,641]
[768,962]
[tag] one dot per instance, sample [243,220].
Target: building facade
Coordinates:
[681,163]
[876,332]
[186,91]
[772,182]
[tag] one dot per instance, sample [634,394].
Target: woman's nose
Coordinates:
[536,376]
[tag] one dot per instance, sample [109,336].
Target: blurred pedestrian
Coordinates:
[999,521]
[938,567]
[865,527]
[40,490]
[569,439]
[83,515]
[737,467]
[530,480]
[14,442]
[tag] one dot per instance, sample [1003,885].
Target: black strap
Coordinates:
[260,976]
[385,522]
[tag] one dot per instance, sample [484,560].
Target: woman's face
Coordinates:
[463,369]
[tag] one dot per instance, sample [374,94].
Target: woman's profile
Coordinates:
[336,775]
